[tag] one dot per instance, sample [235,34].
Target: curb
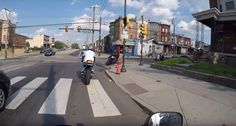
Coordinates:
[146,107]
[225,81]
[116,82]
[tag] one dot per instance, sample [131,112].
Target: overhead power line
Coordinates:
[103,6]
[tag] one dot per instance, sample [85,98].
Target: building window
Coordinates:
[229,5]
[166,30]
[166,39]
[163,30]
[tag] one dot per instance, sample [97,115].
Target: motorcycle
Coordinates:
[165,119]
[112,59]
[87,73]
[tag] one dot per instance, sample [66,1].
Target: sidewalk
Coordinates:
[200,102]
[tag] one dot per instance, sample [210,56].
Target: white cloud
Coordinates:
[109,14]
[12,16]
[195,5]
[170,4]
[164,13]
[105,28]
[187,26]
[41,31]
[131,15]
[73,2]
[163,21]
[60,34]
[160,10]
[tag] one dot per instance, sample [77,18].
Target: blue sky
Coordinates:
[31,12]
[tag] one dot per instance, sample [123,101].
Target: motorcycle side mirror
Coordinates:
[166,119]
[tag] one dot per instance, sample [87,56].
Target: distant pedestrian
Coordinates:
[161,57]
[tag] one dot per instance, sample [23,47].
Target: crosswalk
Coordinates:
[56,102]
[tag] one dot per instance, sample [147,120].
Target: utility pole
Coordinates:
[94,7]
[99,48]
[7,28]
[174,44]
[123,69]
[197,44]
[141,41]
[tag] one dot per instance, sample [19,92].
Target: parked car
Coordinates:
[26,51]
[4,90]
[42,50]
[49,52]
[61,49]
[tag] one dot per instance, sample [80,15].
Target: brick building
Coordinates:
[116,29]
[20,41]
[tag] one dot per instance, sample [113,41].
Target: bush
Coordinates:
[35,49]
[75,46]
[174,61]
[59,45]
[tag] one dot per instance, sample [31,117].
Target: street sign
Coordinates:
[86,31]
[124,34]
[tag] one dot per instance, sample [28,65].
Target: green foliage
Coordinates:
[216,69]
[59,45]
[174,61]
[75,46]
[35,48]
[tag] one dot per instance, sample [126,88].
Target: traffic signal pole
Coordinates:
[123,69]
[141,41]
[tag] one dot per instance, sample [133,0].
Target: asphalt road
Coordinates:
[50,92]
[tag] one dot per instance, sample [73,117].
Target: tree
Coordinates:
[59,45]
[75,46]
[27,44]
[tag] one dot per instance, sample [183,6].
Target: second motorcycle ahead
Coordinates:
[112,59]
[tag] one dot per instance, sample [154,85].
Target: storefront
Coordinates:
[129,47]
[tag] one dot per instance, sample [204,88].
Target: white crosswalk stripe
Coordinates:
[22,94]
[56,102]
[17,79]
[102,105]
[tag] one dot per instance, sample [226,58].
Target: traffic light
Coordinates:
[66,29]
[78,29]
[143,29]
[126,20]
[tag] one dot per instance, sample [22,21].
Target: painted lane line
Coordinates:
[17,79]
[101,103]
[56,102]
[22,94]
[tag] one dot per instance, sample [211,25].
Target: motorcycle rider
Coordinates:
[88,55]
